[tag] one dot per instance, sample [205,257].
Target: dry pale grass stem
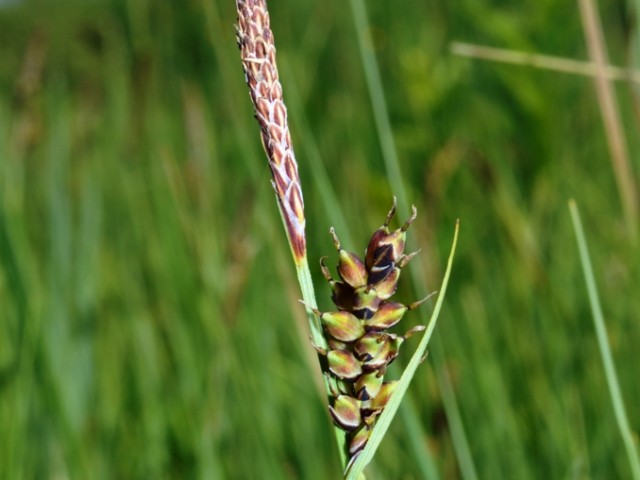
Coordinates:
[613,127]
[258,52]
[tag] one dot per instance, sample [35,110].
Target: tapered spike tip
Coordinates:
[417,303]
[414,215]
[391,213]
[336,240]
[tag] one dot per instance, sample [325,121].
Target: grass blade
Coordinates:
[383,423]
[603,344]
[392,166]
[378,102]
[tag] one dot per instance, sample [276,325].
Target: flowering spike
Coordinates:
[321,351]
[334,344]
[336,240]
[390,248]
[332,382]
[360,346]
[378,235]
[258,52]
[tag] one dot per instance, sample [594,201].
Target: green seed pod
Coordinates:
[387,287]
[342,296]
[346,412]
[334,344]
[341,293]
[369,345]
[385,251]
[369,416]
[389,248]
[382,266]
[343,326]
[386,317]
[381,400]
[381,359]
[371,251]
[368,385]
[350,267]
[378,236]
[343,364]
[365,302]
[359,439]
[385,247]
[389,351]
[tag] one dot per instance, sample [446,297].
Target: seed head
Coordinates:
[360,346]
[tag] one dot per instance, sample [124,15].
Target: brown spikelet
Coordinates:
[258,53]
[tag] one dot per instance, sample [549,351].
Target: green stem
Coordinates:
[317,337]
[309,298]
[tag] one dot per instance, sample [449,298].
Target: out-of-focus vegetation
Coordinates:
[149,324]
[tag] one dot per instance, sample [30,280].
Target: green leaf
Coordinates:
[603,343]
[382,425]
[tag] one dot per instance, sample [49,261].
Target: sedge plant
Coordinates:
[353,343]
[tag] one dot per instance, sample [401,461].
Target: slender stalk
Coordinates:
[603,344]
[544,62]
[610,115]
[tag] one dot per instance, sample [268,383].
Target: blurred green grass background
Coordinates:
[149,324]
